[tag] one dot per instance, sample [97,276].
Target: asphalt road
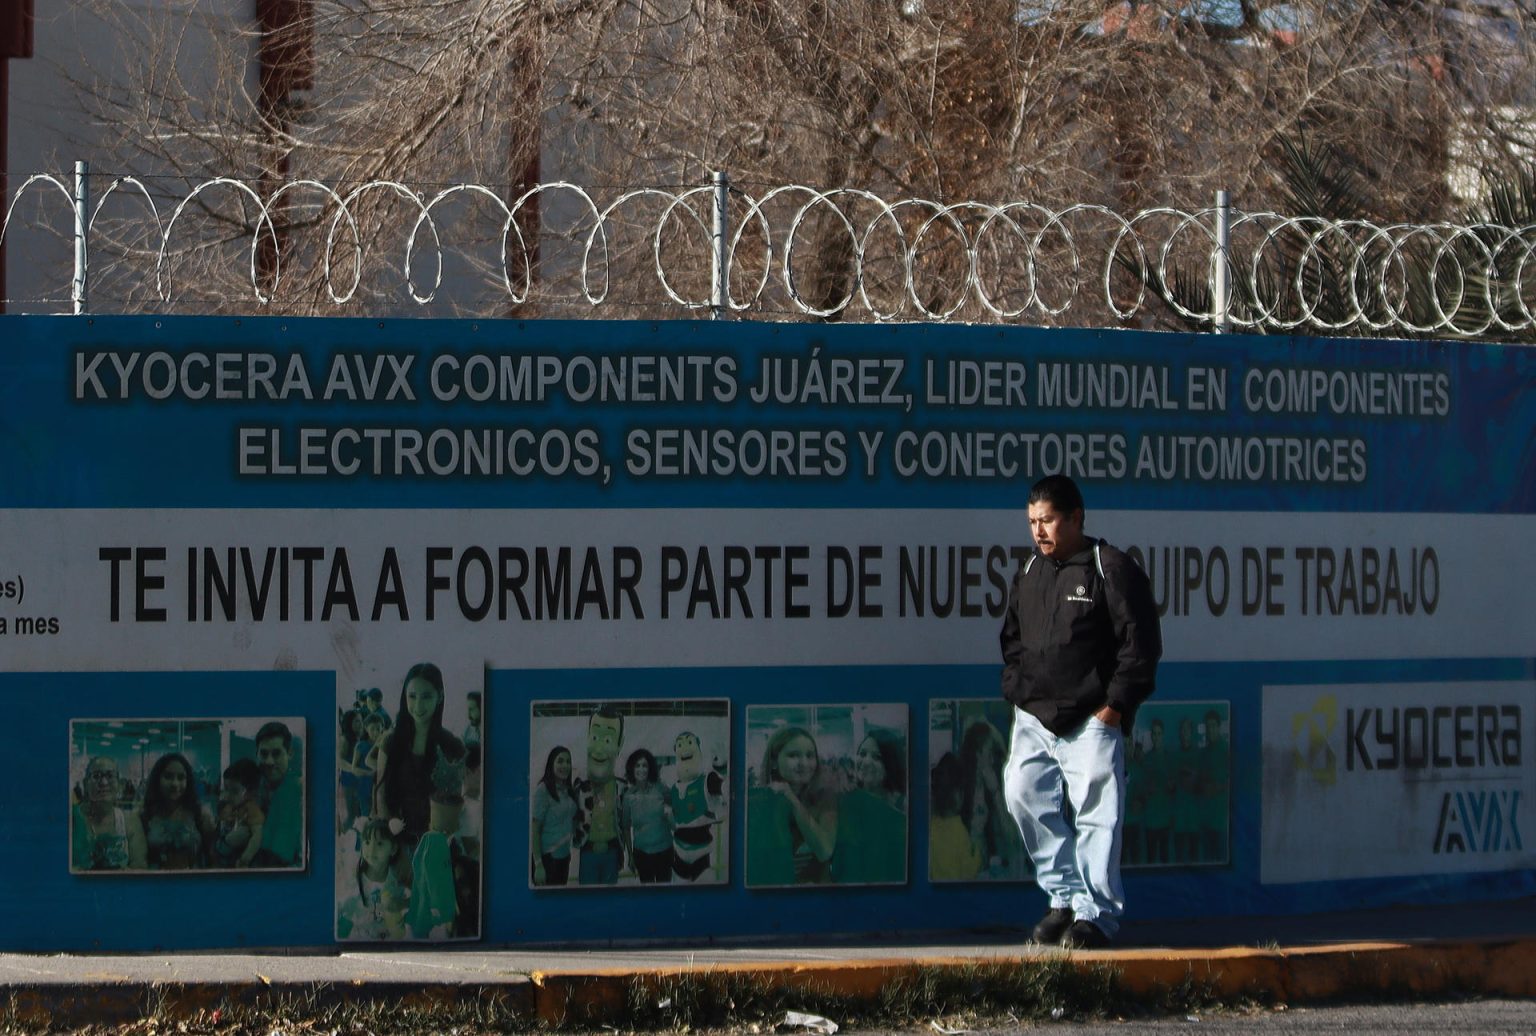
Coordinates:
[1485,1017]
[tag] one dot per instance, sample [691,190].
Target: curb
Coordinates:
[603,996]
[1298,976]
[1311,975]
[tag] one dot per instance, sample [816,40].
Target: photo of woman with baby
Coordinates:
[167,795]
[971,837]
[628,793]
[827,795]
[408,811]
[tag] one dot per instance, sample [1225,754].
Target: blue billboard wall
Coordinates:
[665,550]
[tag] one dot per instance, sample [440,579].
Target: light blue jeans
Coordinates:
[1067,794]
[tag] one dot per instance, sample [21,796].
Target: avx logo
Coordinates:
[1478,822]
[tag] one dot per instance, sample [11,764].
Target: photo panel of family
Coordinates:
[971,836]
[1179,786]
[409,808]
[155,796]
[629,793]
[827,795]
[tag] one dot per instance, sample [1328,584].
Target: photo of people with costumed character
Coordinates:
[827,795]
[409,809]
[622,793]
[171,795]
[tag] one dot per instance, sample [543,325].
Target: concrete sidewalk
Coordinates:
[1487,949]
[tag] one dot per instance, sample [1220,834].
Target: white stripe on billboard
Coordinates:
[538,588]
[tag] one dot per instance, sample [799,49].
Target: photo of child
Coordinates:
[409,806]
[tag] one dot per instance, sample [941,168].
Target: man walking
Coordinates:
[1080,647]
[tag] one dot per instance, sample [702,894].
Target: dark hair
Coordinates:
[892,757]
[400,742]
[549,779]
[473,696]
[273,729]
[608,712]
[945,785]
[154,803]
[977,735]
[351,730]
[776,743]
[403,735]
[246,772]
[1212,714]
[1059,491]
[820,791]
[374,828]
[638,756]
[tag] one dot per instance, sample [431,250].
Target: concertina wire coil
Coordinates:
[904,260]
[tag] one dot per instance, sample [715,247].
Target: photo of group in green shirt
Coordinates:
[1179,795]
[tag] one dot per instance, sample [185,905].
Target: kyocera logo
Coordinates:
[1439,737]
[1312,735]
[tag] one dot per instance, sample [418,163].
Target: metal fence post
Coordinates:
[80,290]
[1221,275]
[720,270]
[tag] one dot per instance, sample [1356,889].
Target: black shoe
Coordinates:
[1084,935]
[1052,926]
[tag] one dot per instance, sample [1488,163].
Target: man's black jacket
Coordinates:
[1080,634]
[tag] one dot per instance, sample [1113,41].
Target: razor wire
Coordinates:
[790,251]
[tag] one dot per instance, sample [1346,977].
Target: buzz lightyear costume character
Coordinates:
[697,800]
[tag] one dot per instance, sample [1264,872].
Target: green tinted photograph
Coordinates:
[1179,792]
